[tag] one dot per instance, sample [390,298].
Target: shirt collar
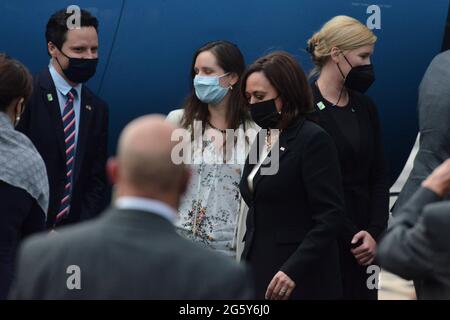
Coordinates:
[147,205]
[61,84]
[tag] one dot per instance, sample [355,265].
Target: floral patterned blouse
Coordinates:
[209,210]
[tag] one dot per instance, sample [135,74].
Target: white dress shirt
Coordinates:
[147,205]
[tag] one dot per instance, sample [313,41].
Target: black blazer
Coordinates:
[364,171]
[20,216]
[295,215]
[126,254]
[42,123]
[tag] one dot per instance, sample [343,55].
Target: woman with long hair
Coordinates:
[216,117]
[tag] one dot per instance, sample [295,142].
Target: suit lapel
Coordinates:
[83,129]
[283,148]
[50,97]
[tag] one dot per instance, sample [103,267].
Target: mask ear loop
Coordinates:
[342,89]
[340,70]
[225,75]
[60,50]
[56,58]
[343,77]
[345,57]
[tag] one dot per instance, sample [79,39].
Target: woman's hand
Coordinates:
[365,253]
[280,288]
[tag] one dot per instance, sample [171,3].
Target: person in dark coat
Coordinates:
[342,52]
[434,124]
[68,123]
[296,205]
[24,190]
[417,243]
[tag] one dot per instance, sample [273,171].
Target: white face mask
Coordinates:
[209,90]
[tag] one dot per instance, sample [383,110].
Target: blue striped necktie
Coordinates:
[69,125]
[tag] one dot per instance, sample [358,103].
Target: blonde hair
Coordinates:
[343,32]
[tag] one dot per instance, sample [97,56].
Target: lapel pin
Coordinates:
[50,97]
[321,105]
[88,107]
[282,148]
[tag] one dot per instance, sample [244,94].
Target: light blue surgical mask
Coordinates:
[209,90]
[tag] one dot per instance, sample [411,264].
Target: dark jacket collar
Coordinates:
[283,145]
[137,219]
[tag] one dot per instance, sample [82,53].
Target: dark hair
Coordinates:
[231,60]
[15,81]
[289,80]
[57,26]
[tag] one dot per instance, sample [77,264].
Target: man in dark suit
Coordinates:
[132,251]
[68,124]
[417,244]
[434,123]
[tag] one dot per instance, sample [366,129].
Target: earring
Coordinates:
[231,87]
[17,121]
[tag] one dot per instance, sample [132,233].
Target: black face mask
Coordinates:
[79,70]
[265,114]
[359,78]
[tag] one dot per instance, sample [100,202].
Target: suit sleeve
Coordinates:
[436,217]
[379,184]
[35,221]
[95,197]
[26,274]
[20,216]
[406,249]
[323,182]
[241,286]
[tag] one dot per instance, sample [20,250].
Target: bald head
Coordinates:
[144,156]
